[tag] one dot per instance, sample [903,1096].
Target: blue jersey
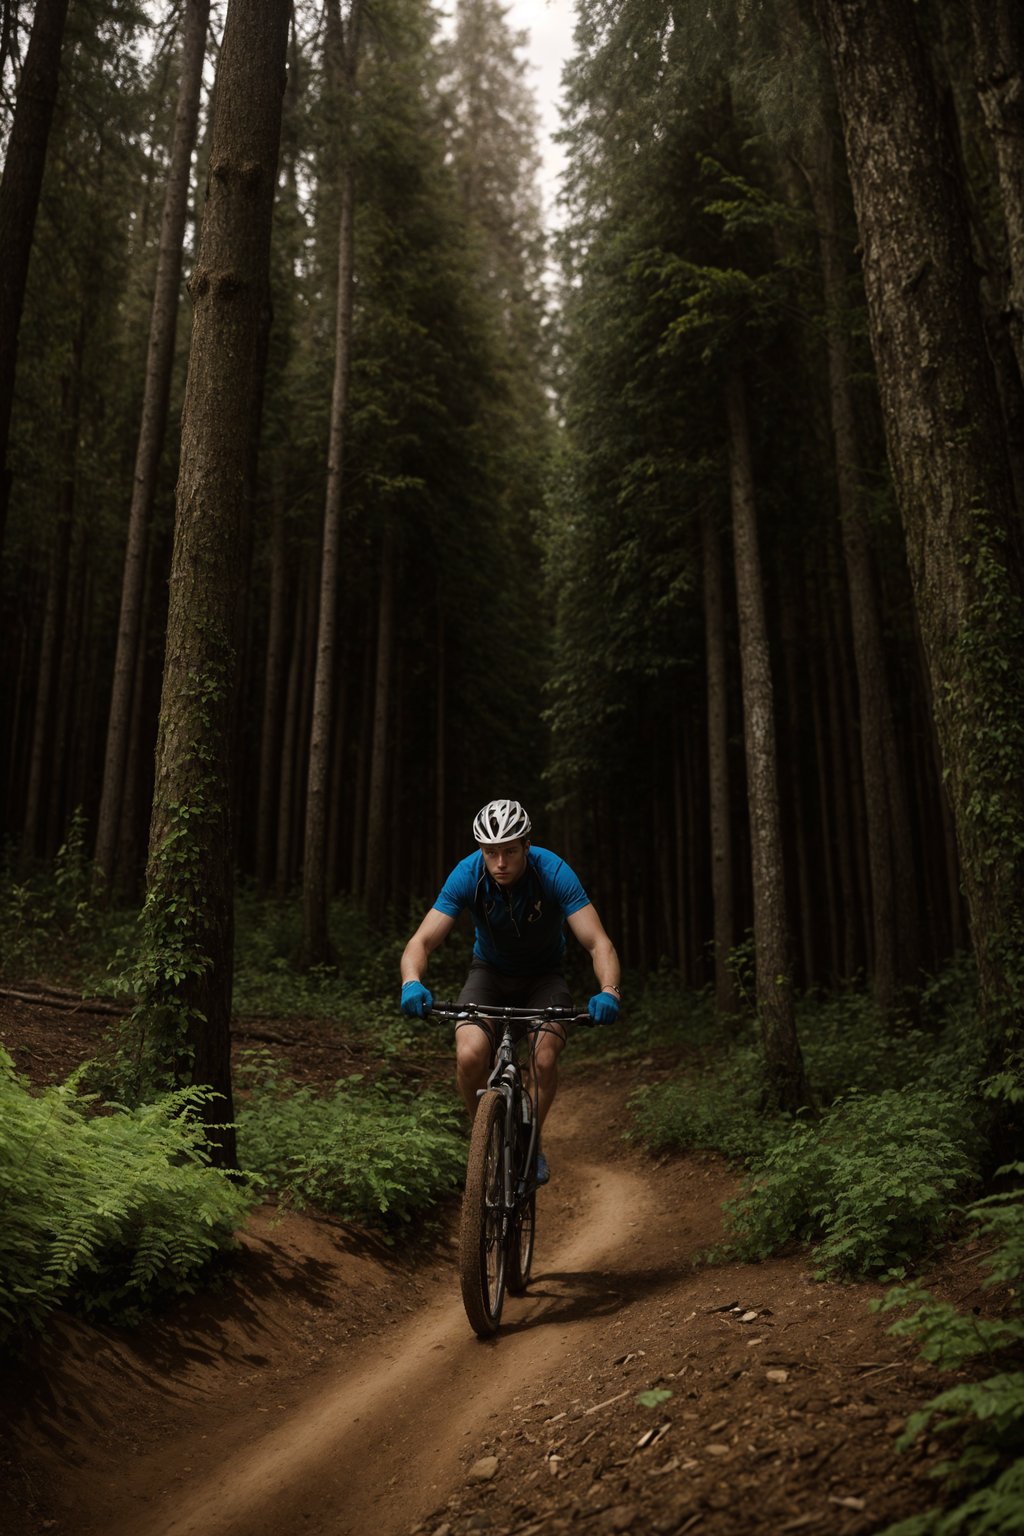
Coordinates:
[520,931]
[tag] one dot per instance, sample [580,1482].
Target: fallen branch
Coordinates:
[65,1001]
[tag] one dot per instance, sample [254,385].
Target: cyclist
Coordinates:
[521,897]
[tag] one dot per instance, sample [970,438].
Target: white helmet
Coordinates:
[501,821]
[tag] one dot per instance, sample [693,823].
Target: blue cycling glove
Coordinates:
[603,1008]
[416,1000]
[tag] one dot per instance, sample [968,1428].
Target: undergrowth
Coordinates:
[370,1153]
[51,925]
[104,1213]
[871,1178]
[981,1419]
[871,1182]
[360,985]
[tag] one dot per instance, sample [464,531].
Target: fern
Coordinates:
[104,1213]
[873,1182]
[367,1153]
[986,1416]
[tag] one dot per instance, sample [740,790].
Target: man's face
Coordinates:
[505,862]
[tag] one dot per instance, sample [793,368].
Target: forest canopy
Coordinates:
[696,526]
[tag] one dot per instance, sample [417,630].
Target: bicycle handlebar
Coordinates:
[512,1015]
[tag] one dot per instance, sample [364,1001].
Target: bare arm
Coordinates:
[433,930]
[589,930]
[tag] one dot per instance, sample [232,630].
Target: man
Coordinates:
[521,897]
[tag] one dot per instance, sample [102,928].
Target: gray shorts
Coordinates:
[485,985]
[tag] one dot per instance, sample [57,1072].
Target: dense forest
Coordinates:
[340,495]
[700,531]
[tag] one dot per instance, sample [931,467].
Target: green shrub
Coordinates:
[369,1153]
[657,1012]
[361,986]
[984,1484]
[872,1181]
[104,1213]
[847,1046]
[50,925]
[717,1110]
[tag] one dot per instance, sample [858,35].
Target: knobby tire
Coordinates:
[520,1255]
[524,1226]
[482,1268]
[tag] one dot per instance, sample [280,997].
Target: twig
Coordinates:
[608,1400]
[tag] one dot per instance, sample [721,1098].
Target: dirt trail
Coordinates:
[328,1391]
[379,1445]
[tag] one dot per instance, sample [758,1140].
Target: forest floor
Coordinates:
[330,1383]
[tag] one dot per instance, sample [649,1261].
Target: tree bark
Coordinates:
[723,912]
[315,941]
[875,711]
[288,743]
[376,815]
[828,817]
[796,790]
[43,720]
[949,466]
[20,187]
[189,908]
[163,325]
[275,661]
[997,30]
[787,1084]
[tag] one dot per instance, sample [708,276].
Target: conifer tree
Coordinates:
[20,186]
[155,402]
[188,914]
[943,428]
[342,48]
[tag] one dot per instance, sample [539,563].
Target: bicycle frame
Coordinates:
[506,1074]
[498,1226]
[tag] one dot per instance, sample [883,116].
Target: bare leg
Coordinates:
[545,1063]
[472,1064]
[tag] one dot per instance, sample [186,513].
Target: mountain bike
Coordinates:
[499,1205]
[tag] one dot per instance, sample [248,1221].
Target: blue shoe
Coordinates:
[543,1171]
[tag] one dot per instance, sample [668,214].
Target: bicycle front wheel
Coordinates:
[524,1221]
[520,1252]
[481,1237]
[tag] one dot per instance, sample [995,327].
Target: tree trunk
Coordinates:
[997,29]
[360,798]
[189,908]
[64,792]
[338,816]
[787,1085]
[796,791]
[20,187]
[723,913]
[843,773]
[273,692]
[138,764]
[315,941]
[875,713]
[43,722]
[376,817]
[163,324]
[828,818]
[942,422]
[288,744]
